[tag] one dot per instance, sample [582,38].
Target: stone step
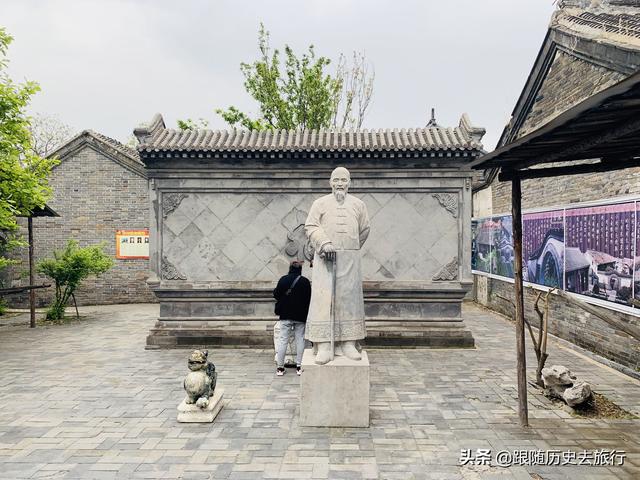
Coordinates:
[241,334]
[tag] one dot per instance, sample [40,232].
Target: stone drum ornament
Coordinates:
[203,401]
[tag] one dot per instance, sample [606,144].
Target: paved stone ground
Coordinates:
[85,400]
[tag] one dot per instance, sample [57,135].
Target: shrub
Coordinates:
[69,268]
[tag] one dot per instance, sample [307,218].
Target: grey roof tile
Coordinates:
[125,150]
[121,147]
[158,138]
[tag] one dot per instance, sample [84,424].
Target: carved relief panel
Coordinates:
[413,235]
[235,236]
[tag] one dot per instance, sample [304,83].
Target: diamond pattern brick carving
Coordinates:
[449,201]
[448,272]
[192,206]
[170,272]
[411,235]
[233,237]
[206,221]
[171,201]
[174,247]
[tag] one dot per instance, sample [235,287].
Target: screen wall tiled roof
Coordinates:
[157,138]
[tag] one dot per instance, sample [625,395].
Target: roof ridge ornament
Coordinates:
[475,133]
[432,122]
[146,133]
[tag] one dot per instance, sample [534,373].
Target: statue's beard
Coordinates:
[340,195]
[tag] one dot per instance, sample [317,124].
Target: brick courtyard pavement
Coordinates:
[87,401]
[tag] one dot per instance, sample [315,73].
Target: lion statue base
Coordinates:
[203,401]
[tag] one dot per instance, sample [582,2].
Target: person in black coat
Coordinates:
[292,294]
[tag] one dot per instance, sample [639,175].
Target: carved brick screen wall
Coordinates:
[228,217]
[235,236]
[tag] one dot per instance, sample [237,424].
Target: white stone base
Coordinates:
[335,394]
[189,413]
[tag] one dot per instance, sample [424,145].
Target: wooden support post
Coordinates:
[521,363]
[32,292]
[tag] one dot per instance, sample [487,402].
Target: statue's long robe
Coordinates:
[346,227]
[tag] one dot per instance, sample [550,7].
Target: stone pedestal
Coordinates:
[193,414]
[335,394]
[399,314]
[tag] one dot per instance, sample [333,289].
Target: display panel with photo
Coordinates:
[502,251]
[543,248]
[132,244]
[474,246]
[600,252]
[483,242]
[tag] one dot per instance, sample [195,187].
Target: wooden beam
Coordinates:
[579,150]
[602,166]
[566,121]
[521,359]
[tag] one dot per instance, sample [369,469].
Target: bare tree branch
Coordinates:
[353,100]
[48,132]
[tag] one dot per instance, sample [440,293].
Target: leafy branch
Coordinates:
[296,92]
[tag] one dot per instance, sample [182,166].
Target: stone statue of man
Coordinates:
[337,227]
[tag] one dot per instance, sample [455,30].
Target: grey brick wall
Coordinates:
[95,196]
[548,192]
[569,81]
[566,321]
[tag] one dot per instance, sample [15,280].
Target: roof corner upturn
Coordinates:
[476,133]
[146,133]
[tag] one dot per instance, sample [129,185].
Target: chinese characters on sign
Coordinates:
[510,458]
[132,244]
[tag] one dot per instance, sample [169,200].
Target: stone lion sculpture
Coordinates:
[201,380]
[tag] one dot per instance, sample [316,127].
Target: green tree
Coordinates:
[191,124]
[302,96]
[23,174]
[68,268]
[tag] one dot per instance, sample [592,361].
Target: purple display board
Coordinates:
[543,248]
[591,251]
[600,251]
[636,262]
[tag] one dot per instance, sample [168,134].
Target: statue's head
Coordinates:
[198,360]
[340,181]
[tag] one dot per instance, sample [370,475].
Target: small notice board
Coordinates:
[132,244]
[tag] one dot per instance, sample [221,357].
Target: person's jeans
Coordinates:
[287,327]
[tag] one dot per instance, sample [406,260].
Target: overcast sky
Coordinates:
[108,65]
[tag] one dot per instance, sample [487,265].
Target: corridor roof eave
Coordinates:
[605,126]
[45,211]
